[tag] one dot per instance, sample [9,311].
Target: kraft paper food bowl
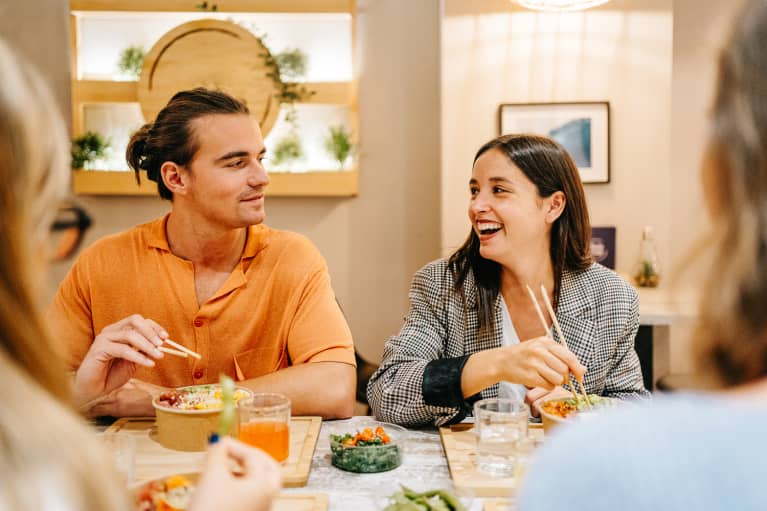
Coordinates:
[189,429]
[550,419]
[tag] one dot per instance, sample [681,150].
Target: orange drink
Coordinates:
[265,423]
[272,437]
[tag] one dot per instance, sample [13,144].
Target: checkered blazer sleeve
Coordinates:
[625,378]
[395,391]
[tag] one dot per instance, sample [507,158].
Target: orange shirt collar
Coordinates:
[157,237]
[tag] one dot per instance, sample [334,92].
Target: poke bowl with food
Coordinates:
[187,416]
[172,493]
[561,410]
[366,447]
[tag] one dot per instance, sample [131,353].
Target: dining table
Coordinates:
[424,467]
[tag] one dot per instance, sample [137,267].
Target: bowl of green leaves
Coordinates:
[367,447]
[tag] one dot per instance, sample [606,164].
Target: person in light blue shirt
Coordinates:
[690,452]
[701,451]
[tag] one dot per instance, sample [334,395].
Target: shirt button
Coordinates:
[199,322]
[198,374]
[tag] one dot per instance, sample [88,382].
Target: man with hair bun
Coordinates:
[256,303]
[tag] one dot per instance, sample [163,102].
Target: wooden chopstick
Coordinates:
[171,351]
[547,302]
[184,349]
[545,327]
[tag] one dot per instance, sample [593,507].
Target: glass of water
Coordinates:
[122,447]
[501,424]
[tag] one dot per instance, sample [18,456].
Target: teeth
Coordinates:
[489,227]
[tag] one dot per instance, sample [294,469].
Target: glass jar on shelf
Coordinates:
[647,271]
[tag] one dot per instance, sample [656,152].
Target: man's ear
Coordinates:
[175,177]
[555,205]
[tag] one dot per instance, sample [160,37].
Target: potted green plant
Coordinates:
[292,64]
[87,148]
[287,150]
[338,144]
[131,60]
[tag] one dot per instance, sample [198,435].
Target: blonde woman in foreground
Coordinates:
[704,451]
[50,458]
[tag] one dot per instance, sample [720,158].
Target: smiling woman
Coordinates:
[472,331]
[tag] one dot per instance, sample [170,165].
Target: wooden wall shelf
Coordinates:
[270,6]
[282,184]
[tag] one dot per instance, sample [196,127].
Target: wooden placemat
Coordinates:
[499,505]
[460,445]
[302,502]
[152,460]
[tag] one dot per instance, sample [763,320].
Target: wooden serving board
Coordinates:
[153,461]
[301,502]
[499,505]
[210,53]
[460,445]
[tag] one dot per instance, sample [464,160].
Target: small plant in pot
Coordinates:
[88,148]
[131,61]
[287,150]
[338,144]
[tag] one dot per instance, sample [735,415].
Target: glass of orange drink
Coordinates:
[265,423]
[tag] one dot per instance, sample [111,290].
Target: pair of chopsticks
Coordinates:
[547,302]
[180,350]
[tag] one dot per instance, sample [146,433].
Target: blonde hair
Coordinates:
[33,179]
[50,459]
[731,337]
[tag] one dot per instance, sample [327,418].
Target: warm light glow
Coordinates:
[560,5]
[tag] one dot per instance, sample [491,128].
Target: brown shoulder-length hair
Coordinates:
[731,335]
[171,136]
[548,165]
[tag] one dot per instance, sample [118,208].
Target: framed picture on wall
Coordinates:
[603,246]
[582,128]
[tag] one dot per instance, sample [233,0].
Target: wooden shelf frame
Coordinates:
[84,92]
[282,184]
[266,6]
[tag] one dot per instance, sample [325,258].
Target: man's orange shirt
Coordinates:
[276,309]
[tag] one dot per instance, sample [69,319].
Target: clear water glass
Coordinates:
[501,425]
[122,447]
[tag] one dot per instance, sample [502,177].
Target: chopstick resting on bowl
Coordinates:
[547,302]
[559,331]
[181,348]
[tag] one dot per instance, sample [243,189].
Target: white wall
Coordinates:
[494,52]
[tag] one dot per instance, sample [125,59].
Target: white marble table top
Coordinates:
[423,467]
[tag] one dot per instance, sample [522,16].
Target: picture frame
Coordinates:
[602,245]
[583,128]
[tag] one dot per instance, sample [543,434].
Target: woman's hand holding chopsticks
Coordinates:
[538,362]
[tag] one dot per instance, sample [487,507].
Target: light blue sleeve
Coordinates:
[683,453]
[569,473]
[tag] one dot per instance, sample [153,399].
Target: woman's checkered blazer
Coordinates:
[598,312]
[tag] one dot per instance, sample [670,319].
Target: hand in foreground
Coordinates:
[252,487]
[539,362]
[537,395]
[115,354]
